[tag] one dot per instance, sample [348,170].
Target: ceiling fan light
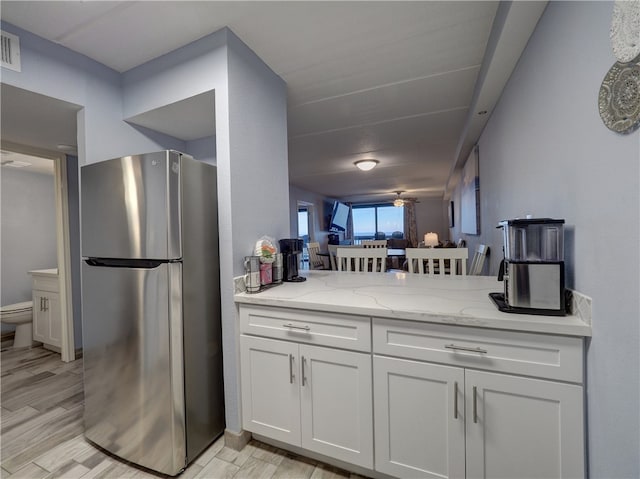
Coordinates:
[366,165]
[398,202]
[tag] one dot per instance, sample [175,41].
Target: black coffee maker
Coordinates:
[291,248]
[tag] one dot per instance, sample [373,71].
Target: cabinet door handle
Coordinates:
[291,326]
[46,304]
[40,303]
[304,377]
[455,347]
[475,404]
[455,400]
[291,369]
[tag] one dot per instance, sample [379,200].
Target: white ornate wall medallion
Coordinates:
[619,97]
[625,30]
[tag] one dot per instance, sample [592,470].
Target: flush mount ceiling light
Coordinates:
[65,147]
[398,201]
[366,165]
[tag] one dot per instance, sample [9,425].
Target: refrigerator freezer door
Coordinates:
[133,371]
[131,207]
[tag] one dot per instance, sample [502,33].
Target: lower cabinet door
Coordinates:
[337,411]
[419,418]
[270,388]
[40,318]
[523,428]
[55,323]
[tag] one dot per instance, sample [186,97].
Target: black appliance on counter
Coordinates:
[533,267]
[291,249]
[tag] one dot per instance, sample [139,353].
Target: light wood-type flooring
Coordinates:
[42,433]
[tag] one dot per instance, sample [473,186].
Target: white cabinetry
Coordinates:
[522,428]
[419,412]
[478,412]
[47,326]
[306,380]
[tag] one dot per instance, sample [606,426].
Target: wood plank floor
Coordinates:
[41,432]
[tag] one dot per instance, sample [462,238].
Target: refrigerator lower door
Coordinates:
[133,374]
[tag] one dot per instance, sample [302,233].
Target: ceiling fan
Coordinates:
[398,201]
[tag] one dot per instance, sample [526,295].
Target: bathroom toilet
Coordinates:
[20,315]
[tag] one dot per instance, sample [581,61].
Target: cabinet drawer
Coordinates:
[538,355]
[44,283]
[323,329]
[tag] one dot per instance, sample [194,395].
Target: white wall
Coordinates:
[28,228]
[430,219]
[321,235]
[258,188]
[545,151]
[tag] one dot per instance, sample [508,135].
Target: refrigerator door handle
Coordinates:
[126,263]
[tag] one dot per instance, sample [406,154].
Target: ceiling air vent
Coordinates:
[10,46]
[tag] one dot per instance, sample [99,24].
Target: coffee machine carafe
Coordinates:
[533,267]
[291,249]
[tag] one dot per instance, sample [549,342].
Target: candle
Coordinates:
[431,239]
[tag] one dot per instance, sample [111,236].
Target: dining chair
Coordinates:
[438,261]
[372,260]
[315,260]
[477,262]
[333,249]
[374,243]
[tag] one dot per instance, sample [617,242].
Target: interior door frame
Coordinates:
[311,214]
[67,347]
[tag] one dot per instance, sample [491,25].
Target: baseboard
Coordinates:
[236,440]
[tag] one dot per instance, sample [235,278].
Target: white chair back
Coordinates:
[315,260]
[477,262]
[374,243]
[372,260]
[435,259]
[333,249]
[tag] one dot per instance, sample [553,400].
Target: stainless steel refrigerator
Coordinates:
[151,308]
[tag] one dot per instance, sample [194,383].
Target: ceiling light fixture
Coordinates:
[65,147]
[398,201]
[366,165]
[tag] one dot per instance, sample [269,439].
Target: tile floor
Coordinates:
[42,434]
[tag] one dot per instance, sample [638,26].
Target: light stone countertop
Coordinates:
[461,300]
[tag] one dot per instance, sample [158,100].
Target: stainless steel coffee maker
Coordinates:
[533,267]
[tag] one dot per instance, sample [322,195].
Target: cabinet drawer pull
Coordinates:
[475,404]
[291,326]
[455,400]
[291,369]
[304,377]
[455,347]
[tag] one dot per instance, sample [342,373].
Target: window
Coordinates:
[370,219]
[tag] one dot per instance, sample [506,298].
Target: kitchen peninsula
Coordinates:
[406,375]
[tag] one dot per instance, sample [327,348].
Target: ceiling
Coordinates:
[25,163]
[399,82]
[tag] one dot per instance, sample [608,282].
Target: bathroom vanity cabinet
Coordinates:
[374,371]
[47,326]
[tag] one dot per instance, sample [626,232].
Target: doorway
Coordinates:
[61,254]
[305,228]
